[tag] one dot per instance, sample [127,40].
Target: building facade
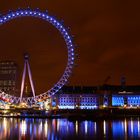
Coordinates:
[76,98]
[126,100]
[77,101]
[8,76]
[97,97]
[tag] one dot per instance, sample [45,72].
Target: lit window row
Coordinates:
[73,107]
[77,99]
[7,88]
[66,104]
[7,71]
[7,63]
[117,101]
[134,101]
[88,107]
[7,83]
[134,98]
[7,67]
[85,104]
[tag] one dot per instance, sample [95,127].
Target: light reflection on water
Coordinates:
[63,129]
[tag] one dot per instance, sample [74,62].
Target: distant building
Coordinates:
[76,98]
[97,97]
[8,76]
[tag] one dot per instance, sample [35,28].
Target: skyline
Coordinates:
[106,33]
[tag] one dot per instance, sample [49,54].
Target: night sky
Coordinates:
[107,35]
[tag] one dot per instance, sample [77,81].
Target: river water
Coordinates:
[64,129]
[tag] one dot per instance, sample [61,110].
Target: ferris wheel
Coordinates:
[70,49]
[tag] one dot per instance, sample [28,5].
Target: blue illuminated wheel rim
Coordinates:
[70,47]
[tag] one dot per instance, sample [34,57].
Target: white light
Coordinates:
[58,124]
[86,127]
[66,107]
[131,125]
[138,127]
[40,127]
[5,124]
[95,127]
[104,126]
[23,127]
[46,128]
[43,15]
[125,127]
[76,126]
[88,107]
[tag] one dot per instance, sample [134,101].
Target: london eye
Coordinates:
[70,61]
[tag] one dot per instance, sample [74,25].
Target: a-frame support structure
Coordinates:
[26,68]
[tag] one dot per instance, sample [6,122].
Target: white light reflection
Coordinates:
[104,127]
[23,127]
[5,123]
[125,129]
[5,127]
[58,122]
[86,127]
[40,127]
[76,126]
[138,127]
[11,119]
[46,128]
[95,127]
[131,126]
